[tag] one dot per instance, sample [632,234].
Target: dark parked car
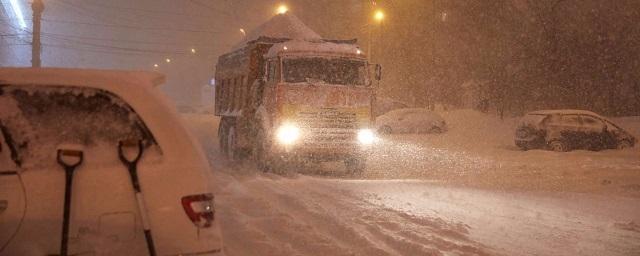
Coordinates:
[565,130]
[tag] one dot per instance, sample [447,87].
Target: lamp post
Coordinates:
[378,17]
[38,7]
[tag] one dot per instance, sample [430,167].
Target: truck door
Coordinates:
[12,198]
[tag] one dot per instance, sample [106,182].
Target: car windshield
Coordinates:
[336,71]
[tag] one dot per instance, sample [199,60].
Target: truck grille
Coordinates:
[328,128]
[327,118]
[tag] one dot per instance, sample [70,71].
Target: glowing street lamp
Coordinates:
[282,9]
[378,16]
[167,60]
[244,33]
[156,65]
[193,50]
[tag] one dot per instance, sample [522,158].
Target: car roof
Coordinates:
[110,80]
[563,112]
[136,88]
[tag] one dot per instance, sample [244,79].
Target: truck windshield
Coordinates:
[340,71]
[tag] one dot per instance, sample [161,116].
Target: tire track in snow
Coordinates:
[264,214]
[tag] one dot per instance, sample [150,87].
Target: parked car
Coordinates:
[565,130]
[410,120]
[53,119]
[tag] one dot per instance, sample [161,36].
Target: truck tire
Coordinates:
[355,165]
[222,137]
[260,154]
[231,138]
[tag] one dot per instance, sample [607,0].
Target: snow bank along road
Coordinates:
[426,195]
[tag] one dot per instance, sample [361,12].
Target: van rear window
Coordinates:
[41,119]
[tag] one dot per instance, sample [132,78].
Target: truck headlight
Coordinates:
[288,134]
[366,136]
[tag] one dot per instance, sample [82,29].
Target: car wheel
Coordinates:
[558,146]
[384,130]
[624,144]
[436,129]
[355,165]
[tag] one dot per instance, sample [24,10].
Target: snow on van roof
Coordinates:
[313,46]
[103,79]
[286,26]
[563,111]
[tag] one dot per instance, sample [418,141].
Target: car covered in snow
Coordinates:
[410,120]
[98,162]
[565,130]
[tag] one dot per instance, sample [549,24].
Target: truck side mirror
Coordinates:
[378,72]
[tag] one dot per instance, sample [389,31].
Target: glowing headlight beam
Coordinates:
[16,9]
[288,134]
[366,136]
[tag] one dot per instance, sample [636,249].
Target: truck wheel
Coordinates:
[355,165]
[222,138]
[231,144]
[260,155]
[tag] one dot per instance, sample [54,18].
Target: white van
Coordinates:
[87,116]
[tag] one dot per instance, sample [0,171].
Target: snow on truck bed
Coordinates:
[281,26]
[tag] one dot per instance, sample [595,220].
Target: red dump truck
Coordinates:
[284,100]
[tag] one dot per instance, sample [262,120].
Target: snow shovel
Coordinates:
[132,166]
[65,159]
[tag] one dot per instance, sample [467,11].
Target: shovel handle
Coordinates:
[130,143]
[68,152]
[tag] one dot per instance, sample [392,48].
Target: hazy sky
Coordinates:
[125,34]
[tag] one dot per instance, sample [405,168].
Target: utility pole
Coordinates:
[38,7]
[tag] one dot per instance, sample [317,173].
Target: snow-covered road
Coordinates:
[266,214]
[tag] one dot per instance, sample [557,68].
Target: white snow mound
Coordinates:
[282,26]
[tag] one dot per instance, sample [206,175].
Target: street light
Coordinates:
[282,9]
[167,60]
[378,16]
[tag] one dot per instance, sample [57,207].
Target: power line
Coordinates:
[130,27]
[210,7]
[118,40]
[111,51]
[129,49]
[148,11]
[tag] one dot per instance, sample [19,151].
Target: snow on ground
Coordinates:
[466,192]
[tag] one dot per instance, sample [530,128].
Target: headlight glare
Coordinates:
[366,136]
[288,134]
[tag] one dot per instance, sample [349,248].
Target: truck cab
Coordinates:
[285,95]
[319,95]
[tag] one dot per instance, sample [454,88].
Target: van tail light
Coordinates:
[199,208]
